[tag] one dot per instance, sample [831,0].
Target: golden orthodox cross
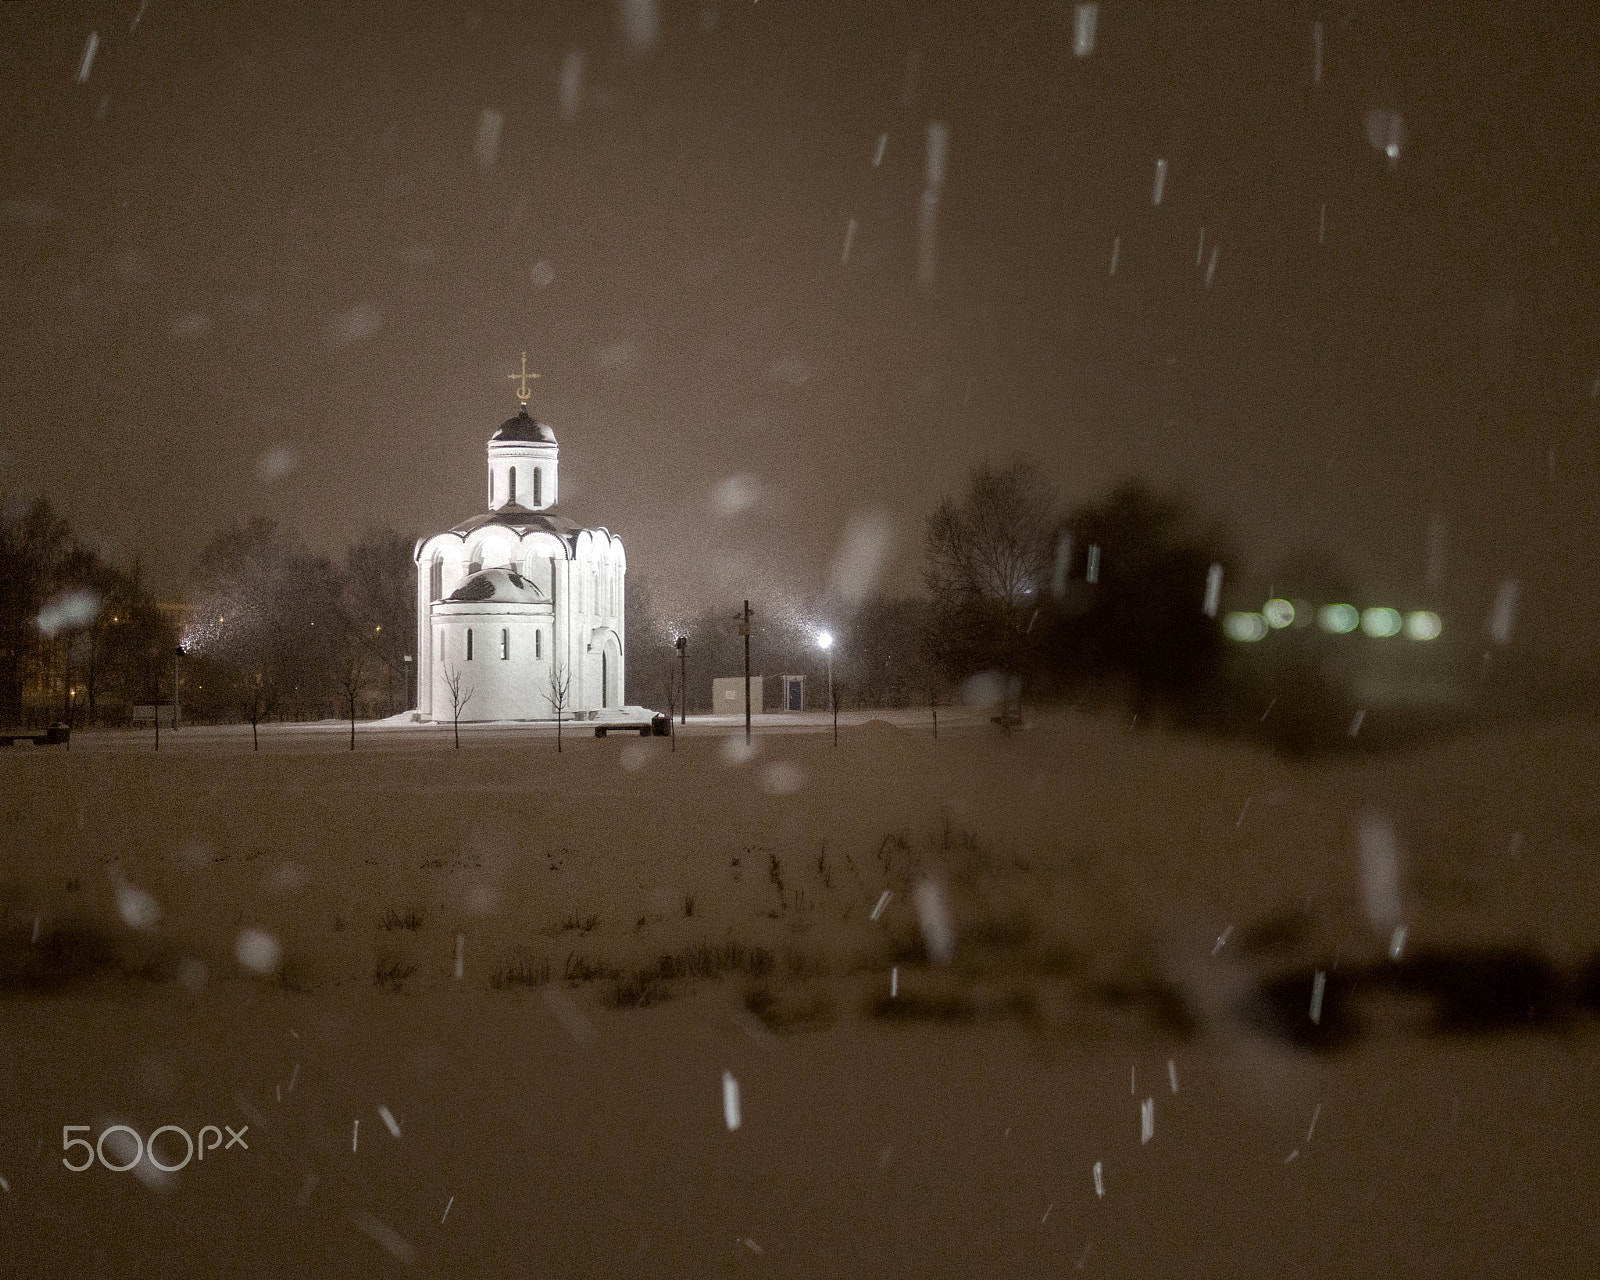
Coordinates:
[523,389]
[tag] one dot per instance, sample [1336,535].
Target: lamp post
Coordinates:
[177,653]
[825,643]
[744,630]
[681,644]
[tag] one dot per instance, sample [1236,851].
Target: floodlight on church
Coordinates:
[1381,622]
[1244,627]
[1278,613]
[1340,619]
[1423,624]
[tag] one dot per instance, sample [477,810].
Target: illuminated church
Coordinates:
[515,601]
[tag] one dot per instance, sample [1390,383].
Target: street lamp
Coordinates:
[179,652]
[744,630]
[825,642]
[681,644]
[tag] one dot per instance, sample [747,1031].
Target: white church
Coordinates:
[515,601]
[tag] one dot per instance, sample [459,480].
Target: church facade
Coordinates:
[517,602]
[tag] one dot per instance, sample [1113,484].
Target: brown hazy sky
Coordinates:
[264,227]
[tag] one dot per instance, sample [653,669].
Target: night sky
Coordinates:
[267,259]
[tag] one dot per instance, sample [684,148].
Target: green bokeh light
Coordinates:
[1424,624]
[1338,618]
[1381,622]
[1278,613]
[1244,626]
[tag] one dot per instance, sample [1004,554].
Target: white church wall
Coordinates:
[527,458]
[445,551]
[491,551]
[422,654]
[506,674]
[535,554]
[563,649]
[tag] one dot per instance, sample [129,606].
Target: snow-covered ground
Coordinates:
[1138,923]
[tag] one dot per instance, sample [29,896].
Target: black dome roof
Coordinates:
[495,585]
[524,428]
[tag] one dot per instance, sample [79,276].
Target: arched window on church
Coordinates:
[469,644]
[511,495]
[538,486]
[436,581]
[505,643]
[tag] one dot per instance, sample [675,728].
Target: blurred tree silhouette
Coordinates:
[269,624]
[988,562]
[34,544]
[381,603]
[106,654]
[1142,622]
[103,647]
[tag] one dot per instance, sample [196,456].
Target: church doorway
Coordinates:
[610,671]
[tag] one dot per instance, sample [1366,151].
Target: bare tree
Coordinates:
[255,699]
[838,695]
[559,693]
[459,697]
[347,675]
[988,558]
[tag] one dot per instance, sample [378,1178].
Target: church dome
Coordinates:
[501,586]
[524,429]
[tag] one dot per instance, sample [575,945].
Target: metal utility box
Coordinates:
[727,695]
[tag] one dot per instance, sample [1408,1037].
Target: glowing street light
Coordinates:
[825,643]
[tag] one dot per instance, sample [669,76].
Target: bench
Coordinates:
[55,736]
[659,725]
